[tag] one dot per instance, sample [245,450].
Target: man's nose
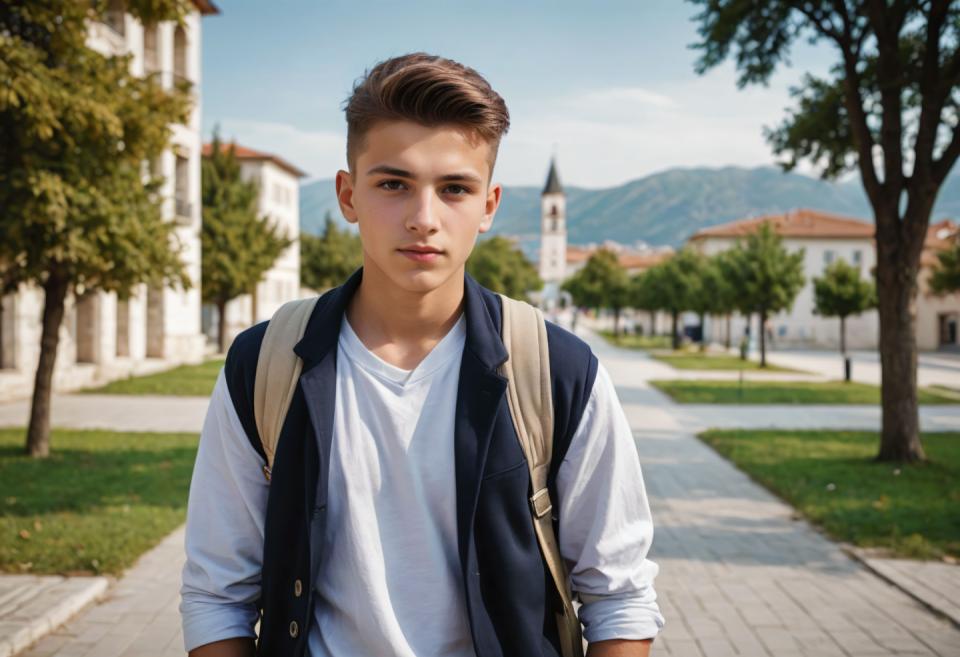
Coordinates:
[423,215]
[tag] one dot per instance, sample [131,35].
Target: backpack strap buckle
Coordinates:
[540,503]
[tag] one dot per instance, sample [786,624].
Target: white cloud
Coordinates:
[603,137]
[609,136]
[318,153]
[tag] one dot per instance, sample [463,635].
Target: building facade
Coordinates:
[824,238]
[101,336]
[278,182]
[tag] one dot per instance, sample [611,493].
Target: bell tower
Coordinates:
[553,228]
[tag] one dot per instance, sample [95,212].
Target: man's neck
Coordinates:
[401,326]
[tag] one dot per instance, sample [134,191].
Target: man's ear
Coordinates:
[494,194]
[345,196]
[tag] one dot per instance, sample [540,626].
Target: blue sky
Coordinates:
[609,85]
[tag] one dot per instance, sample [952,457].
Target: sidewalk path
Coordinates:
[932,367]
[115,412]
[739,574]
[139,617]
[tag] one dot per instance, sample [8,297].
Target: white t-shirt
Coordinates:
[390,583]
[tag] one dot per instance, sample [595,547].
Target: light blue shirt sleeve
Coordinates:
[606,528]
[225,529]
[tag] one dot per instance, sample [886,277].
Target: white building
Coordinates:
[278,182]
[553,238]
[101,337]
[824,238]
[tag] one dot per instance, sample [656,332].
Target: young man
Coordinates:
[397,522]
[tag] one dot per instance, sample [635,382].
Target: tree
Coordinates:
[77,128]
[500,266]
[842,293]
[602,283]
[671,286]
[766,277]
[888,109]
[724,293]
[712,294]
[238,246]
[945,277]
[641,298]
[329,259]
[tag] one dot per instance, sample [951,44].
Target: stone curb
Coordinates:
[69,596]
[890,578]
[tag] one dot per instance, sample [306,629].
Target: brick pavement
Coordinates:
[739,574]
[138,617]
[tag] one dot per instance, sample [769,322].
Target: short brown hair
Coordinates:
[428,90]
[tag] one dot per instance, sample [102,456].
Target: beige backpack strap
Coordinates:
[278,371]
[531,406]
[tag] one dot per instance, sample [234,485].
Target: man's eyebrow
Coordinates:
[402,173]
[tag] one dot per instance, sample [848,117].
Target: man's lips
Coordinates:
[421,253]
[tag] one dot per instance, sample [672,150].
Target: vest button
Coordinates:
[294,630]
[297,588]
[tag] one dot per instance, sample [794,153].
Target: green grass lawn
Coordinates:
[830,477]
[637,341]
[97,503]
[695,360]
[186,380]
[785,392]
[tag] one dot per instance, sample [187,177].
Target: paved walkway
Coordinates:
[114,412]
[932,367]
[139,617]
[739,574]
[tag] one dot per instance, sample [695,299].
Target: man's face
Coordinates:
[420,196]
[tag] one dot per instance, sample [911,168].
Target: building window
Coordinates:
[553,210]
[180,53]
[115,17]
[181,192]
[857,257]
[828,257]
[151,51]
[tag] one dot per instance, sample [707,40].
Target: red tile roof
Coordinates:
[795,223]
[627,259]
[244,153]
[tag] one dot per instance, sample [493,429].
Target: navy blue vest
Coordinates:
[510,597]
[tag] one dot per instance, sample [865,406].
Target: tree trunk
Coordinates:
[616,322]
[253,305]
[38,431]
[1,331]
[703,333]
[653,323]
[763,338]
[728,332]
[897,287]
[673,330]
[843,335]
[222,326]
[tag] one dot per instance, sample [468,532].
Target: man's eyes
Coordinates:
[396,185]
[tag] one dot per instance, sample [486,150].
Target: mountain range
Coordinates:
[663,208]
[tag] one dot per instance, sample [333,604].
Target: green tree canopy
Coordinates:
[77,128]
[238,245]
[672,286]
[889,109]
[945,277]
[840,292]
[601,283]
[329,259]
[499,265]
[767,278]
